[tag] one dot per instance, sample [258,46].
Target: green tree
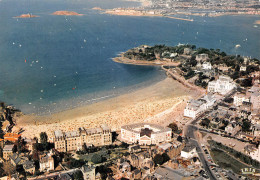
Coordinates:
[96,158]
[78,175]
[158,159]
[43,137]
[173,126]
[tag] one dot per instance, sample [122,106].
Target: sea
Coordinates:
[53,63]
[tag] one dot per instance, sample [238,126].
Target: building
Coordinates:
[88,172]
[8,151]
[17,159]
[255,97]
[243,68]
[29,167]
[232,129]
[47,163]
[195,107]
[239,98]
[187,51]
[206,66]
[222,85]
[202,57]
[188,152]
[74,140]
[145,133]
[13,137]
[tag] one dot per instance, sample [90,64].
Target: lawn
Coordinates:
[225,161]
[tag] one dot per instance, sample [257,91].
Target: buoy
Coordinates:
[25,60]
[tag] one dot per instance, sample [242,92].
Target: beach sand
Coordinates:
[161,103]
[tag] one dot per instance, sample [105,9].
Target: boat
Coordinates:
[238,46]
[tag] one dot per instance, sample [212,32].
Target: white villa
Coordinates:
[145,133]
[222,85]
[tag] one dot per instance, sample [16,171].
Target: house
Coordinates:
[89,172]
[239,98]
[134,149]
[223,68]
[188,151]
[29,167]
[17,159]
[243,68]
[256,130]
[232,129]
[13,137]
[187,51]
[47,162]
[223,85]
[8,151]
[172,149]
[202,57]
[206,66]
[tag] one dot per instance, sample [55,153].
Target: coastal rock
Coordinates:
[66,13]
[26,16]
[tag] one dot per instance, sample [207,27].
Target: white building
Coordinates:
[206,66]
[188,152]
[239,98]
[243,68]
[195,107]
[47,163]
[145,133]
[222,85]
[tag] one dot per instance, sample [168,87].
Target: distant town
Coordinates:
[219,139]
[169,8]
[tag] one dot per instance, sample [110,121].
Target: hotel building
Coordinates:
[74,140]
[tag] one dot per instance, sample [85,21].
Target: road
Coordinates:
[192,139]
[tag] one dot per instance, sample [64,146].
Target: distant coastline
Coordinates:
[66,13]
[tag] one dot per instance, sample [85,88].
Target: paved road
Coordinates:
[192,139]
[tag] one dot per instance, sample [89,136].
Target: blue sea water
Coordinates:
[68,58]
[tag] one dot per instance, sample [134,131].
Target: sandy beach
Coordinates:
[162,103]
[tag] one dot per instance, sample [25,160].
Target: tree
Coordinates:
[173,126]
[44,137]
[165,157]
[158,159]
[78,175]
[246,126]
[96,158]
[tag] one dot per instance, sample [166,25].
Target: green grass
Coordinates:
[225,161]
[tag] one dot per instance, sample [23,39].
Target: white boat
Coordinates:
[238,46]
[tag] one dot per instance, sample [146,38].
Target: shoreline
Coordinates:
[167,98]
[124,60]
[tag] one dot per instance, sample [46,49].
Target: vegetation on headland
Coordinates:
[188,64]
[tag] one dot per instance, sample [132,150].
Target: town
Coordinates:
[191,7]
[219,139]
